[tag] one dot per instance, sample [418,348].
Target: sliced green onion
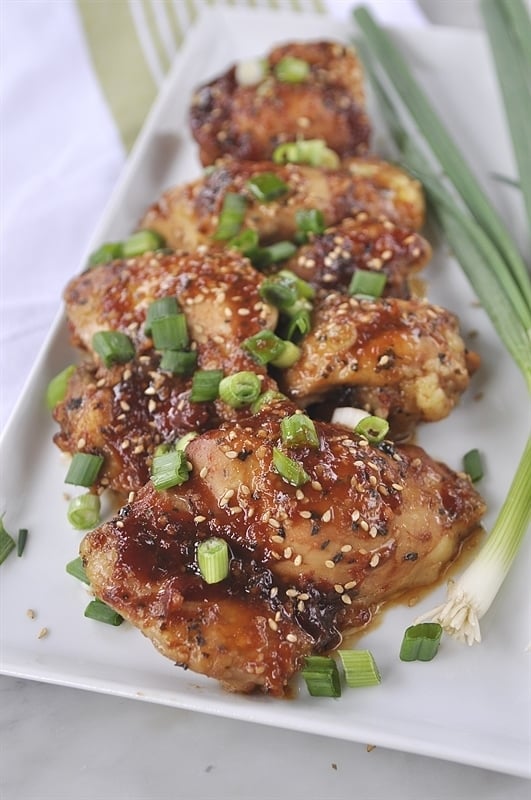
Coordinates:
[107,252]
[213,559]
[374,429]
[309,220]
[306,151]
[21,541]
[169,469]
[284,289]
[264,346]
[292,70]
[184,441]
[267,186]
[321,676]
[280,251]
[170,333]
[7,543]
[288,469]
[76,569]
[58,386]
[288,357]
[360,668]
[421,642]
[240,389]
[298,325]
[84,469]
[158,309]
[266,399]
[101,612]
[178,362]
[367,284]
[246,242]
[472,465]
[231,216]
[205,385]
[141,242]
[113,347]
[84,511]
[298,430]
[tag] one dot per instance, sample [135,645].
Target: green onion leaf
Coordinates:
[113,347]
[231,216]
[141,242]
[58,386]
[205,385]
[101,612]
[169,469]
[288,469]
[285,289]
[76,569]
[360,668]
[292,70]
[421,642]
[306,151]
[84,511]
[266,399]
[7,543]
[309,220]
[158,309]
[264,347]
[288,357]
[246,242]
[267,186]
[240,390]
[84,469]
[184,441]
[213,560]
[321,676]
[367,284]
[170,333]
[374,429]
[179,362]
[107,252]
[472,465]
[21,541]
[298,430]
[298,326]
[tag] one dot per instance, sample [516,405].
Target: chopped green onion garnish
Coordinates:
[265,399]
[472,465]
[76,569]
[288,469]
[421,642]
[367,284]
[107,252]
[264,346]
[170,333]
[306,151]
[158,309]
[292,70]
[21,541]
[84,469]
[184,441]
[321,676]
[101,612]
[213,559]
[141,242]
[309,220]
[205,385]
[113,347]
[267,186]
[280,251]
[246,242]
[84,511]
[284,289]
[240,390]
[298,325]
[360,668]
[298,430]
[169,469]
[231,216]
[7,543]
[179,362]
[374,429]
[57,388]
[288,357]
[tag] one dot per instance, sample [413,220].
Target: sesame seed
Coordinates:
[152,406]
[131,497]
[31,613]
[243,312]
[231,454]
[81,443]
[305,514]
[288,552]
[273,522]
[329,564]
[373,531]
[299,494]
[199,518]
[291,637]
[364,525]
[339,588]
[275,555]
[350,584]
[125,444]
[346,599]
[203,472]
[292,592]
[277,539]
[397,487]
[346,548]
[273,591]
[327,516]
[150,390]
[42,633]
[272,624]
[355,515]
[138,449]
[297,560]
[317,486]
[375,560]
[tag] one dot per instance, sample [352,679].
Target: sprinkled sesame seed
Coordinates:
[339,588]
[317,486]
[277,539]
[350,584]
[346,548]
[364,525]
[292,592]
[31,613]
[276,556]
[203,472]
[375,560]
[291,637]
[305,514]
[397,487]
[81,443]
[346,599]
[130,497]
[199,518]
[272,624]
[297,560]
[273,522]
[327,516]
[273,591]
[373,531]
[330,564]
[355,515]
[288,552]
[231,454]
[150,390]
[42,633]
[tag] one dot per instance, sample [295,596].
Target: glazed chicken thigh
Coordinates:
[307,563]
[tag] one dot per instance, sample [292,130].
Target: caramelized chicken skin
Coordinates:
[248,122]
[306,564]
[187,215]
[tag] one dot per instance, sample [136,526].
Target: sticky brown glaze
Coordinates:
[248,122]
[405,359]
[329,260]
[306,563]
[187,215]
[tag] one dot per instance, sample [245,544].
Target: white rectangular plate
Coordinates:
[469,705]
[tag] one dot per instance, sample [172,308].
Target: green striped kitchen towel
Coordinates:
[133,42]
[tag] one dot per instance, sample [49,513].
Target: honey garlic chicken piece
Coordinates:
[247,122]
[187,215]
[404,359]
[330,259]
[306,563]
